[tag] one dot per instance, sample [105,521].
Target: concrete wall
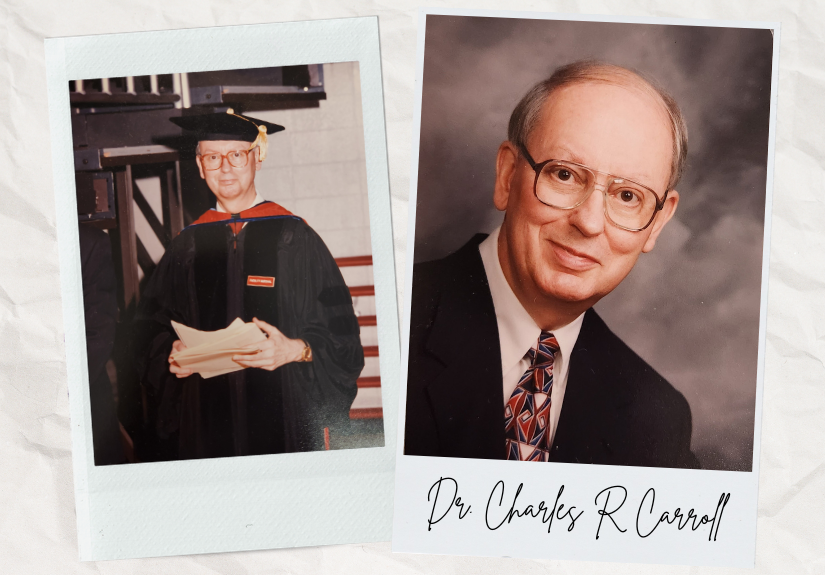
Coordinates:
[316,167]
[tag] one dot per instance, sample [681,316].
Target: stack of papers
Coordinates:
[209,353]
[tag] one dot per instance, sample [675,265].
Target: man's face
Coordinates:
[577,256]
[228,182]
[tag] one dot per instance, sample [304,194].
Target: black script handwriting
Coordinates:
[454,502]
[682,520]
[546,513]
[603,512]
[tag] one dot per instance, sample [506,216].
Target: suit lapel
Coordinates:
[587,427]
[467,396]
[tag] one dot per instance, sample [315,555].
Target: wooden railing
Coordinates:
[365,382]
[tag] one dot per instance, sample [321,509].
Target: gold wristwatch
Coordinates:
[306,354]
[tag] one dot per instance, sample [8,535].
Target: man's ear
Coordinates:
[258,161]
[662,217]
[505,169]
[200,167]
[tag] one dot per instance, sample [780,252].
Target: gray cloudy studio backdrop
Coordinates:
[690,308]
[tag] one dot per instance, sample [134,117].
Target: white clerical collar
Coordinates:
[517,331]
[258,200]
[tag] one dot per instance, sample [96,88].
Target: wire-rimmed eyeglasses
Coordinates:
[566,185]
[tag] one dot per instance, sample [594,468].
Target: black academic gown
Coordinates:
[201,282]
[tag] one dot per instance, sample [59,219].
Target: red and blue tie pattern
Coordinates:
[527,413]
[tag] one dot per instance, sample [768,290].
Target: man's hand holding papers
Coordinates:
[276,351]
[236,347]
[211,353]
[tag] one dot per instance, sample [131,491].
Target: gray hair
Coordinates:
[526,114]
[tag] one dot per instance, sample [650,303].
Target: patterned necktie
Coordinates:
[527,414]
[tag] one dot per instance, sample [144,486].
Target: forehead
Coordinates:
[222,146]
[615,128]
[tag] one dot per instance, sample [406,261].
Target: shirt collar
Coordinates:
[517,332]
[258,200]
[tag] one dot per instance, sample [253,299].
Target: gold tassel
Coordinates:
[260,141]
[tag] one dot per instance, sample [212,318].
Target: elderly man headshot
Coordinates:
[251,259]
[507,358]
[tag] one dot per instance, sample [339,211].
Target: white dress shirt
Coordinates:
[518,333]
[258,200]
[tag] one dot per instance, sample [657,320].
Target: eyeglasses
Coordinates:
[236,159]
[566,185]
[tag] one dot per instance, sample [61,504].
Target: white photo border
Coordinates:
[239,503]
[475,480]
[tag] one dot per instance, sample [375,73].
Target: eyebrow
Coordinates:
[572,156]
[206,153]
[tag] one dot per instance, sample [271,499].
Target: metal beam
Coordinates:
[172,202]
[111,157]
[144,259]
[127,237]
[157,227]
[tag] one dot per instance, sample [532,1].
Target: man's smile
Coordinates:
[573,259]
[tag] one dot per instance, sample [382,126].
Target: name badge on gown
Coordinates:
[260,281]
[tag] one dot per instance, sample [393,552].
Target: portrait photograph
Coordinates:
[165,164]
[237,308]
[587,283]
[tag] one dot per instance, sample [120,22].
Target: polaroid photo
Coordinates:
[586,288]
[228,285]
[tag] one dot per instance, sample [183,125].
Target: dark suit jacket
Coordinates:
[617,410]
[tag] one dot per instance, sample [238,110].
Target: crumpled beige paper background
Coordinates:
[37,518]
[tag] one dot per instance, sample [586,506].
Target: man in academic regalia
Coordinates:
[252,259]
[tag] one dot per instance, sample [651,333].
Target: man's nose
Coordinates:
[589,217]
[225,165]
